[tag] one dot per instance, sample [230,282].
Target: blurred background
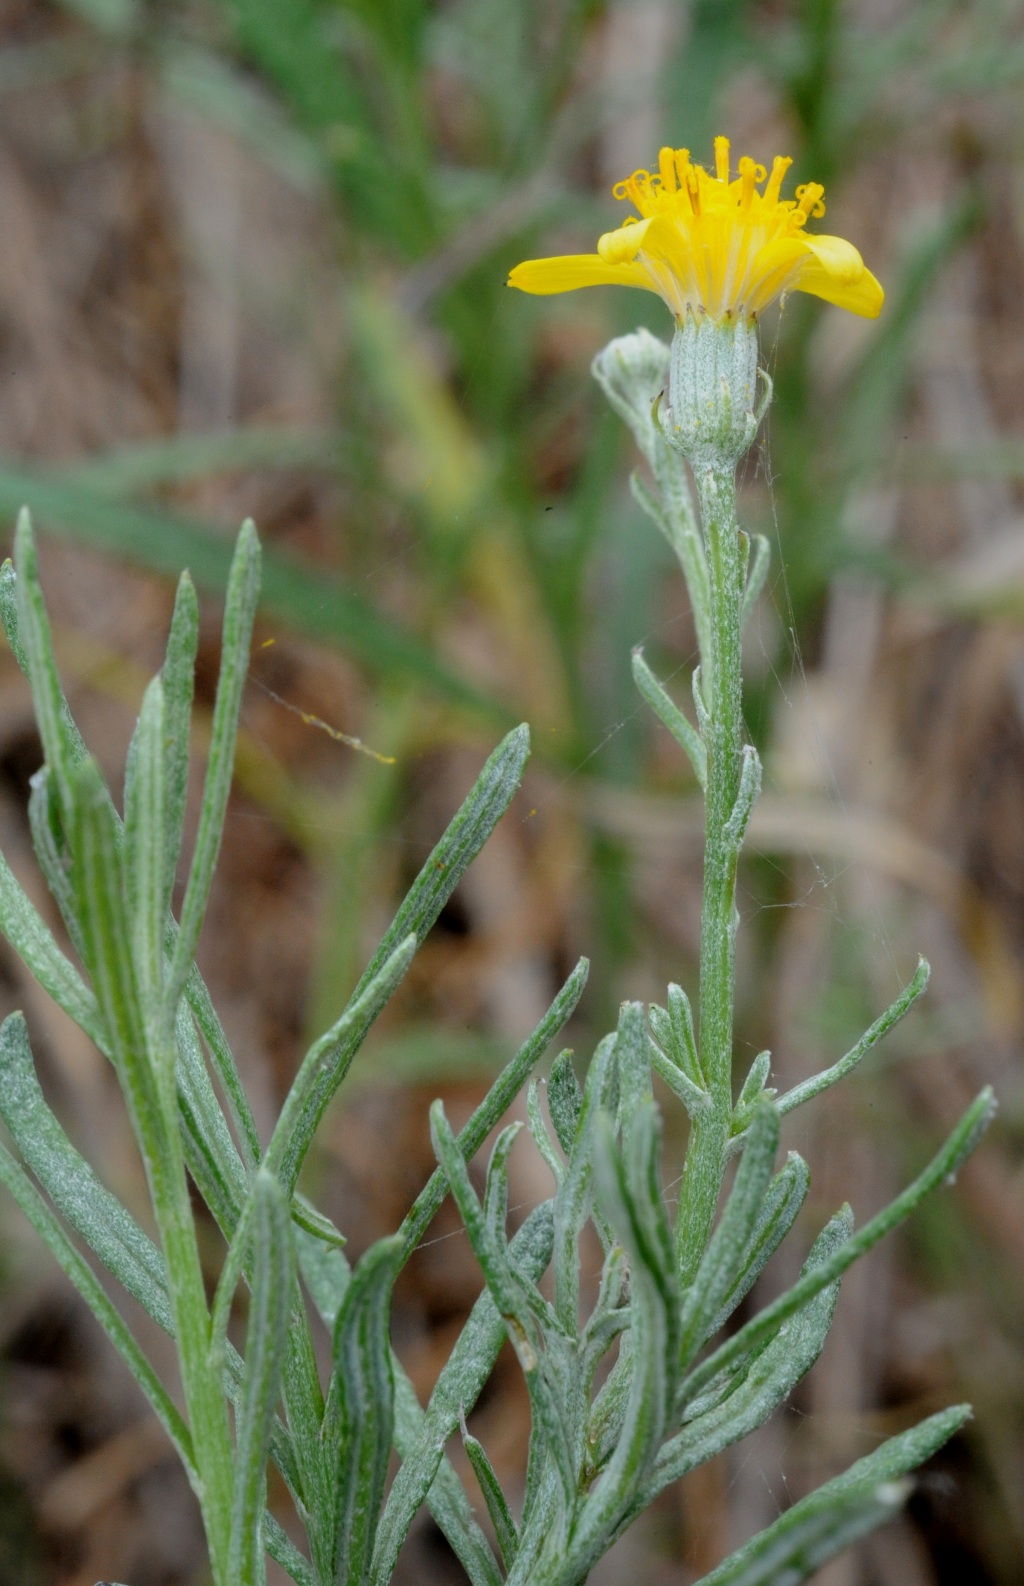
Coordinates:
[252,256]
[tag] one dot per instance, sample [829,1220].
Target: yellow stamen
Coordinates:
[722,159]
[748,181]
[780,165]
[809,199]
[667,167]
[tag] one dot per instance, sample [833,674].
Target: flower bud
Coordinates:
[632,371]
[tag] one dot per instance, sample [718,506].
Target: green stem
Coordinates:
[721,673]
[200,1378]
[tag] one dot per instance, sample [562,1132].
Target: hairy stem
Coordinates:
[722,677]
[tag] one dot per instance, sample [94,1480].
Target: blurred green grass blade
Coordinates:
[715,41]
[880,382]
[239,616]
[130,471]
[225,95]
[266,1342]
[822,1524]
[299,595]
[115,18]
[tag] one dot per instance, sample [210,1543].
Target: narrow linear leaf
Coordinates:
[757,575]
[362,1358]
[488,800]
[145,846]
[225,1068]
[941,1169]
[99,896]
[33,941]
[239,615]
[284,1552]
[870,1039]
[501,1094]
[575,1193]
[292,1134]
[75,1267]
[630,1191]
[70,1182]
[538,1128]
[671,717]
[9,613]
[565,1100]
[178,679]
[62,744]
[423,1436]
[721,1263]
[742,1397]
[446,1497]
[89,1207]
[822,1524]
[782,1202]
[795,1547]
[294,592]
[265,1349]
[53,853]
[525,1311]
[494,1498]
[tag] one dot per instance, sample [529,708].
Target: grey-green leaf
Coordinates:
[565,1100]
[822,1524]
[497,1504]
[362,1362]
[487,802]
[239,615]
[265,1349]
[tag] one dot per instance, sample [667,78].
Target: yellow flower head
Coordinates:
[714,247]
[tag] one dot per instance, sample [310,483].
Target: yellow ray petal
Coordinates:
[836,272]
[573,270]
